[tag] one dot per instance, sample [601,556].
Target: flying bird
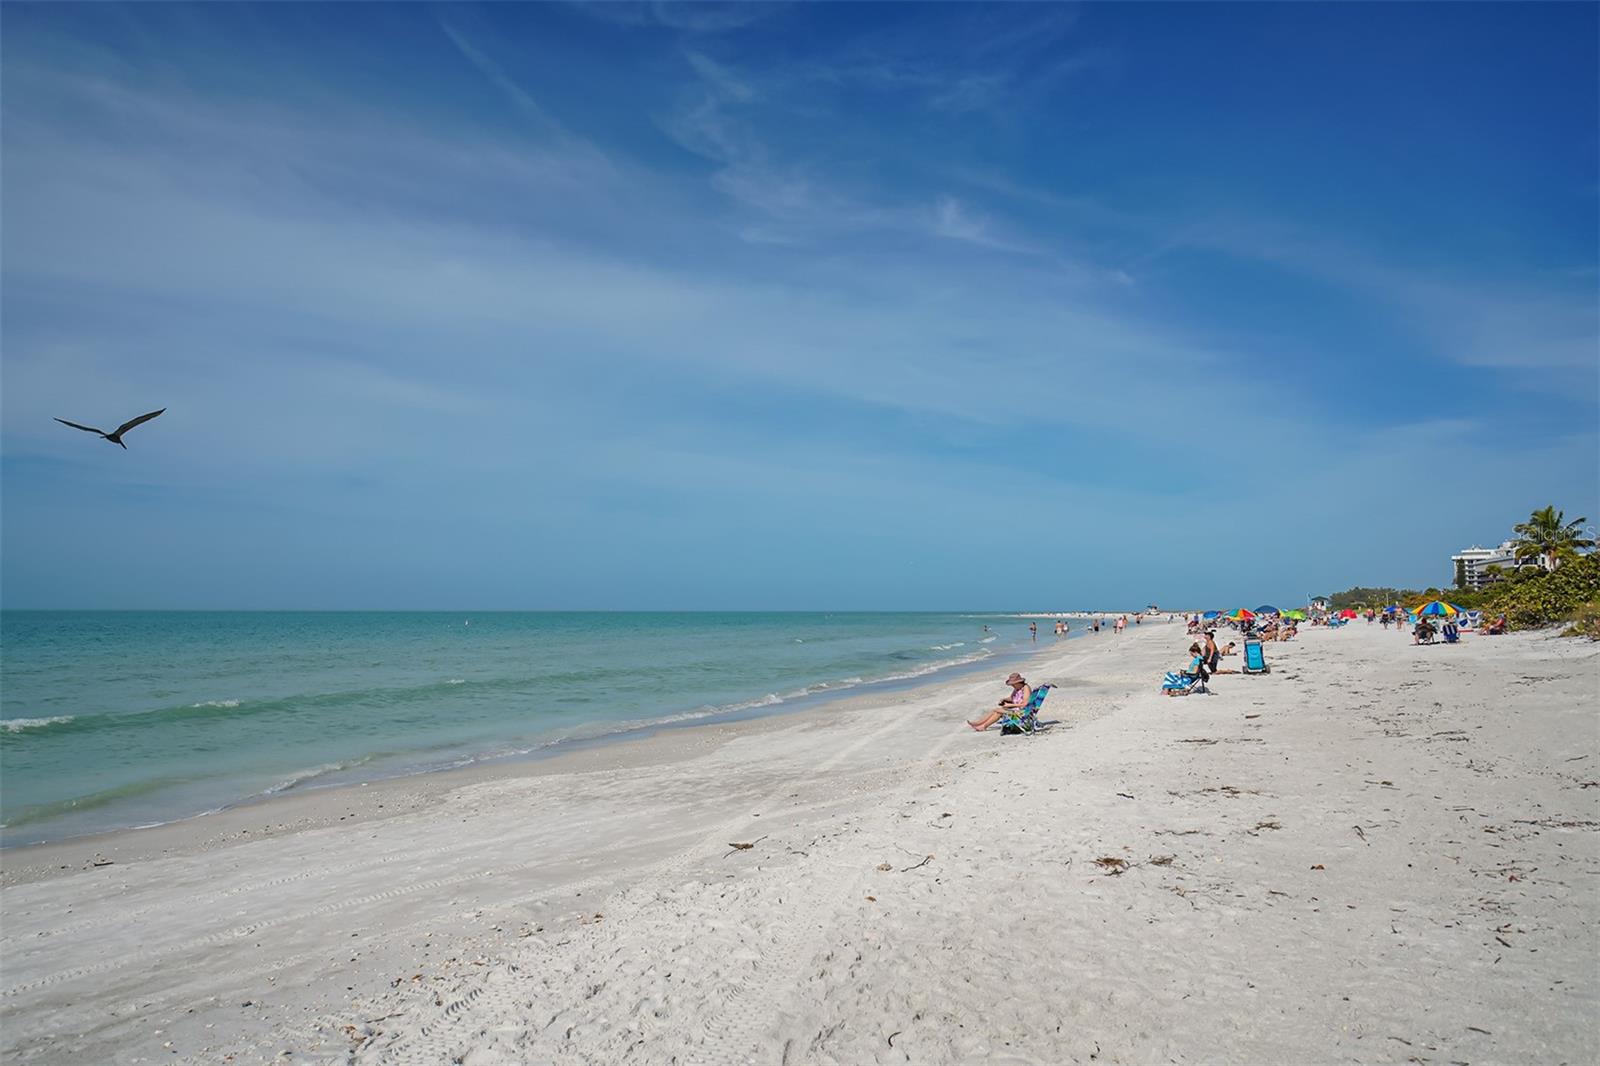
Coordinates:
[114,437]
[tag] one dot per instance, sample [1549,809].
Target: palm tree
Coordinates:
[1549,537]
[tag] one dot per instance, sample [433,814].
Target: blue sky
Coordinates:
[839,306]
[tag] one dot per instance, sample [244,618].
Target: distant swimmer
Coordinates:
[115,437]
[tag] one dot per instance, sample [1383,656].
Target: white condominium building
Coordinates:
[1476,567]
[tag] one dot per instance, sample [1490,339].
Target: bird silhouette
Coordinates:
[115,437]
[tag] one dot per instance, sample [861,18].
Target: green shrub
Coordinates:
[1546,599]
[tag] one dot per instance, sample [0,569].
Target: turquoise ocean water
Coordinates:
[116,719]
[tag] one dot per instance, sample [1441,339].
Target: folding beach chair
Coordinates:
[1025,719]
[1182,684]
[1255,662]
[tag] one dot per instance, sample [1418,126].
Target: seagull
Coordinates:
[116,436]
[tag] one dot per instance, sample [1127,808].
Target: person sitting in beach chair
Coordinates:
[1179,683]
[1423,633]
[1497,627]
[1020,696]
[1190,679]
[1026,720]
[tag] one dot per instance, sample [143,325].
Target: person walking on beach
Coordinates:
[1020,695]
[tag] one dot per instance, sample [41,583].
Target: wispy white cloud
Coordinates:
[700,18]
[800,199]
[1491,318]
[491,70]
[775,315]
[720,77]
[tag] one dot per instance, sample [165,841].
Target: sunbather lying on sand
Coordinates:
[1020,695]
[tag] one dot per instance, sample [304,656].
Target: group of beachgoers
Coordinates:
[1425,631]
[1021,694]
[1096,624]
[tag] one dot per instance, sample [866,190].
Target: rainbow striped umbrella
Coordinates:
[1436,607]
[1240,614]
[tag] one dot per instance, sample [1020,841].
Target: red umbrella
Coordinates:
[1347,613]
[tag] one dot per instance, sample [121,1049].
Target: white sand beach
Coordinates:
[1375,853]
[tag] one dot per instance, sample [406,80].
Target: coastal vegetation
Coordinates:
[1564,586]
[1547,536]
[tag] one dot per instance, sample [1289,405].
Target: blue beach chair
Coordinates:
[1182,684]
[1255,662]
[1025,719]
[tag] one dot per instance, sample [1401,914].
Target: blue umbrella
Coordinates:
[1267,610]
[1212,614]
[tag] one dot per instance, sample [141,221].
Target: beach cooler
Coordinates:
[1255,661]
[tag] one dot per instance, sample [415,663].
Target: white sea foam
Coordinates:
[17,725]
[771,699]
[931,668]
[216,703]
[987,640]
[300,777]
[947,647]
[456,681]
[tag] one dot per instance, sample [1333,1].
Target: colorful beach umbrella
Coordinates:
[1436,607]
[1240,614]
[1267,609]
